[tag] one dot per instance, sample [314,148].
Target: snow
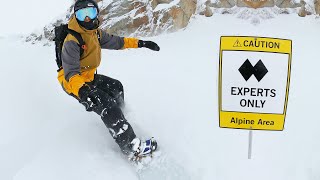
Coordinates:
[23,17]
[166,6]
[171,95]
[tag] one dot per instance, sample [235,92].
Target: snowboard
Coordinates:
[158,166]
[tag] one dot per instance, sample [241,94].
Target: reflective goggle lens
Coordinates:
[91,12]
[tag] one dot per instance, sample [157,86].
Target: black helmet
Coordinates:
[80,4]
[93,23]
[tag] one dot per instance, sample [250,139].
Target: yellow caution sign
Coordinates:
[254,79]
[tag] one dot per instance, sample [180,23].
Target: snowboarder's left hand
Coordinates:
[149,44]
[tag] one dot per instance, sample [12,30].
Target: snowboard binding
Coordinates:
[143,149]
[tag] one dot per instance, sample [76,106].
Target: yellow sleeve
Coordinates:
[130,42]
[75,83]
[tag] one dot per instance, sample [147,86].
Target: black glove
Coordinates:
[88,97]
[149,44]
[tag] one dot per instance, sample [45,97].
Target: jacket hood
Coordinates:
[74,25]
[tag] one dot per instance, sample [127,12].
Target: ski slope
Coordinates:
[171,95]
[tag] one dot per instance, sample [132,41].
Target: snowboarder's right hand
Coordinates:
[88,97]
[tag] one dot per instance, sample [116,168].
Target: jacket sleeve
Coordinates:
[108,41]
[70,57]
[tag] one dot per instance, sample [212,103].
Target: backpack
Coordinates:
[61,33]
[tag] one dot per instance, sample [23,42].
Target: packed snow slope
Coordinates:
[171,95]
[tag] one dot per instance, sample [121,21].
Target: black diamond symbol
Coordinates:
[259,70]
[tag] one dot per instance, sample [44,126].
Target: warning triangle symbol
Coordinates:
[237,44]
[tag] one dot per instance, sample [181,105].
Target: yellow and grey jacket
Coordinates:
[79,70]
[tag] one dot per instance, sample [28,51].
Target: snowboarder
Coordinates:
[98,93]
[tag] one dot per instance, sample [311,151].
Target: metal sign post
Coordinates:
[250,143]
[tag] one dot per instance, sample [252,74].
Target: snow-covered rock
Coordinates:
[132,17]
[141,18]
[149,18]
[317,6]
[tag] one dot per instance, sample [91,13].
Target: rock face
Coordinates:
[153,17]
[287,4]
[317,6]
[303,11]
[255,3]
[221,4]
[208,12]
[134,17]
[147,19]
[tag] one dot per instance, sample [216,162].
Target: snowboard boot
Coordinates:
[141,149]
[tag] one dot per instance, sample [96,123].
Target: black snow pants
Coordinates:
[111,95]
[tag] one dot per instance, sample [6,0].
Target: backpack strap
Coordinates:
[82,44]
[98,35]
[78,36]
[61,33]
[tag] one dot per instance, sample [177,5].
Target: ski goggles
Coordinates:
[91,12]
